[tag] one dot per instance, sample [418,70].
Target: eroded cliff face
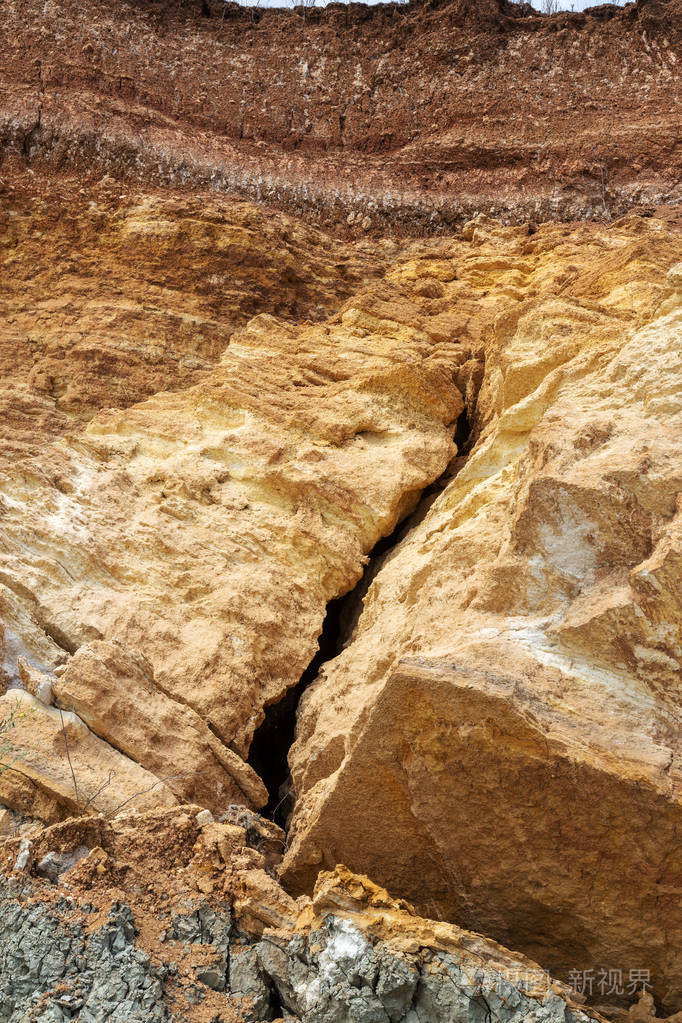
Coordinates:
[207,528]
[498,739]
[379,535]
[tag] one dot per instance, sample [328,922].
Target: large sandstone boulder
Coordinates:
[499,741]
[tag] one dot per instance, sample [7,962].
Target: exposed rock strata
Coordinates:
[415,117]
[108,297]
[207,528]
[508,701]
[357,954]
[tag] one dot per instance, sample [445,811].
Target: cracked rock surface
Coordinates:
[340,513]
[509,700]
[52,972]
[225,943]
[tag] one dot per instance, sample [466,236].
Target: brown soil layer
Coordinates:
[412,118]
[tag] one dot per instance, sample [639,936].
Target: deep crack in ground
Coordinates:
[272,740]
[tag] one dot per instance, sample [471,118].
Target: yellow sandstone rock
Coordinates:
[115,695]
[53,766]
[207,529]
[499,741]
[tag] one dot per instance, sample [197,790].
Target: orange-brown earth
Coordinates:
[219,416]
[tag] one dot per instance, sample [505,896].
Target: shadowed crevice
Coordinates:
[272,740]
